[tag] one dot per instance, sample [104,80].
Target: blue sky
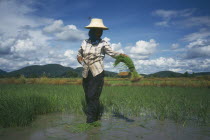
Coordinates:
[157,34]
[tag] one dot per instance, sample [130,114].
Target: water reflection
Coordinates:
[93,134]
[121,116]
[55,126]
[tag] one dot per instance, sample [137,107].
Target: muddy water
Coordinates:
[56,127]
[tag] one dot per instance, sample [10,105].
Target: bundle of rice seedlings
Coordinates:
[129,63]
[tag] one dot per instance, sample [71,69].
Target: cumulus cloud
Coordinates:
[106,39]
[23,46]
[198,45]
[108,61]
[142,49]
[15,15]
[115,46]
[65,33]
[26,52]
[198,51]
[197,35]
[71,56]
[5,45]
[181,18]
[198,42]
[23,41]
[56,26]
[176,65]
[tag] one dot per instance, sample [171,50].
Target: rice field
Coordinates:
[203,82]
[21,103]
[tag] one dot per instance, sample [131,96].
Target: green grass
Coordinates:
[21,103]
[81,127]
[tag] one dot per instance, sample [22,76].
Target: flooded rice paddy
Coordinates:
[60,126]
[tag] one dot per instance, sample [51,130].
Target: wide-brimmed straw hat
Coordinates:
[96,23]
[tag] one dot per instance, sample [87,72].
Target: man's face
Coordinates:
[95,33]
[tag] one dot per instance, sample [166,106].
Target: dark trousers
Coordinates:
[93,87]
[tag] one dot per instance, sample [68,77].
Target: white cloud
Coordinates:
[162,23]
[56,26]
[71,35]
[174,46]
[71,55]
[177,70]
[106,39]
[196,21]
[22,41]
[15,15]
[23,46]
[71,27]
[198,42]
[165,13]
[65,33]
[182,18]
[31,47]
[198,45]
[38,37]
[197,35]
[176,65]
[5,45]
[115,46]
[142,49]
[198,51]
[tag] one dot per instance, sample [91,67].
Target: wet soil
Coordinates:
[58,126]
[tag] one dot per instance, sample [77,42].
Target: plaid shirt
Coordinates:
[93,55]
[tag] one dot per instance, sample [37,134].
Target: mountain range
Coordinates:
[49,70]
[56,70]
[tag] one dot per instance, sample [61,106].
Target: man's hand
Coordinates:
[124,55]
[80,59]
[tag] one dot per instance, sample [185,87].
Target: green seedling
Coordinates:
[128,63]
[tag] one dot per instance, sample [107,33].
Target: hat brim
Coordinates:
[103,28]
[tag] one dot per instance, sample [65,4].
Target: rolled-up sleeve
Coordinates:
[80,51]
[108,50]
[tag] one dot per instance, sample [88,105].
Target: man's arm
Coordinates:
[108,50]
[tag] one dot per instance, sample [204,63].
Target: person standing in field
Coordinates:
[90,56]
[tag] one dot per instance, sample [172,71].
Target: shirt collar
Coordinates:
[95,42]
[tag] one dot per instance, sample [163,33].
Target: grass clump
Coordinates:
[77,128]
[129,63]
